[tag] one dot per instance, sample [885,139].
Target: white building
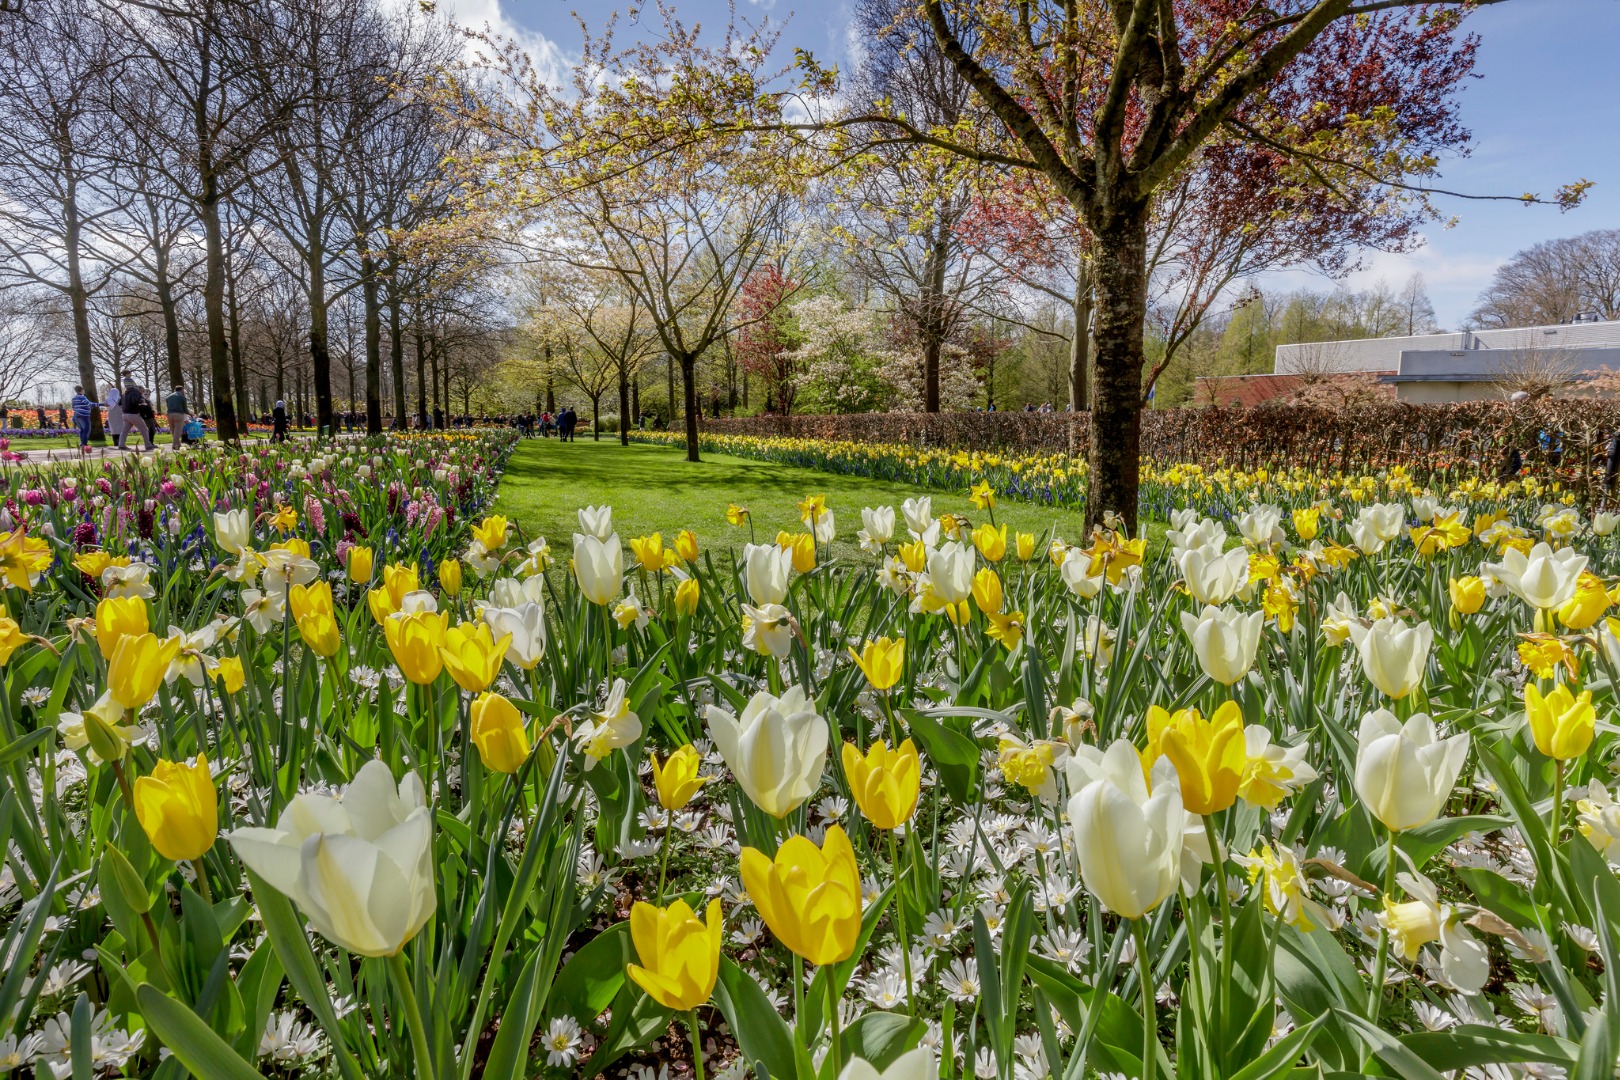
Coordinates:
[1464,366]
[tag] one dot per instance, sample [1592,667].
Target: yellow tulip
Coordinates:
[414,639]
[679,954]
[293,545]
[885,783]
[230,673]
[1025,546]
[450,577]
[179,808]
[1467,594]
[491,532]
[991,541]
[498,731]
[686,546]
[1560,722]
[809,897]
[472,656]
[686,597]
[320,632]
[882,661]
[915,556]
[649,552]
[92,563]
[312,599]
[803,547]
[361,561]
[137,667]
[381,603]
[400,579]
[1582,610]
[987,591]
[677,779]
[118,618]
[1308,522]
[11,638]
[1209,755]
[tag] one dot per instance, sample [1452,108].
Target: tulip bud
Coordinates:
[498,731]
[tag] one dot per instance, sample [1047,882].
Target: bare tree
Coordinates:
[1529,371]
[1555,280]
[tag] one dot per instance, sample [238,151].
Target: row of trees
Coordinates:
[1130,162]
[243,197]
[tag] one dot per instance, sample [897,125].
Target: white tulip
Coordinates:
[1213,576]
[1128,839]
[359,866]
[918,1064]
[1425,507]
[1393,655]
[596,521]
[1196,533]
[950,570]
[1261,525]
[1544,578]
[527,626]
[776,749]
[766,570]
[599,566]
[919,515]
[233,530]
[126,581]
[824,529]
[1365,537]
[1604,523]
[1224,640]
[1386,520]
[508,592]
[879,528]
[1405,772]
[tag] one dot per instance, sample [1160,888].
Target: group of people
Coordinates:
[563,423]
[131,410]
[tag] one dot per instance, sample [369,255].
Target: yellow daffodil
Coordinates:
[11,638]
[736,515]
[178,808]
[811,507]
[677,779]
[284,520]
[23,559]
[679,954]
[885,783]
[809,896]
[92,563]
[982,495]
[1007,628]
[1542,653]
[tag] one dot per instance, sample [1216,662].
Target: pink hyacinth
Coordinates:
[315,513]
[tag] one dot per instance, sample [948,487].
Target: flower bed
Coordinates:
[310,769]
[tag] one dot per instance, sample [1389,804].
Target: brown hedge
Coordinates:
[1456,440]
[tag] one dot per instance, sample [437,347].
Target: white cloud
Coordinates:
[551,62]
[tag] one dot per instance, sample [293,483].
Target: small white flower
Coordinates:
[562,1042]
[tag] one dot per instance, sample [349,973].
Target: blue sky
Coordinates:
[1543,113]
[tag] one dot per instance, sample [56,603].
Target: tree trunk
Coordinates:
[79,303]
[669,370]
[320,350]
[596,418]
[1119,269]
[1079,395]
[433,357]
[635,397]
[934,319]
[421,376]
[233,327]
[551,383]
[624,405]
[396,354]
[219,358]
[368,293]
[164,287]
[689,387]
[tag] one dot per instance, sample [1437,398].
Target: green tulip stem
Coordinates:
[1150,1020]
[900,920]
[202,880]
[663,861]
[798,1000]
[1557,800]
[123,784]
[697,1043]
[835,1050]
[1224,899]
[413,1015]
[1375,998]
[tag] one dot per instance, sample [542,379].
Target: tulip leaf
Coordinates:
[1388,1049]
[1282,1057]
[880,1037]
[20,941]
[509,1055]
[18,748]
[193,1042]
[1471,1045]
[760,1029]
[1596,1061]
[1425,841]
[593,975]
[954,756]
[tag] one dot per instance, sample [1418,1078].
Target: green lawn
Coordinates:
[653,488]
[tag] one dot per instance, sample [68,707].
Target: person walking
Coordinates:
[278,420]
[178,412]
[138,414]
[115,415]
[81,415]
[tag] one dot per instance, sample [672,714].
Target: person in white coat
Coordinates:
[115,415]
